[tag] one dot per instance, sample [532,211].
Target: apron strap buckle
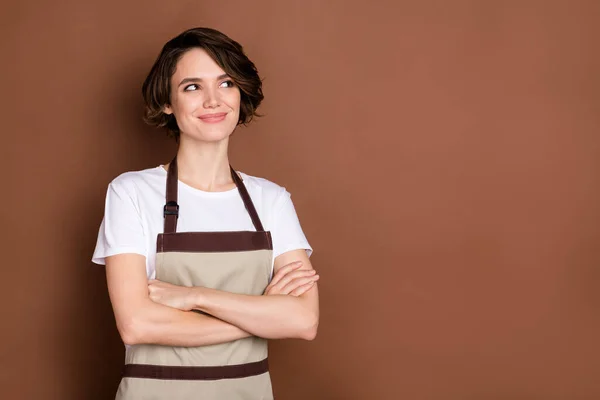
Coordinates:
[171,208]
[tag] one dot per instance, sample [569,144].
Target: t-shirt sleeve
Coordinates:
[286,230]
[121,230]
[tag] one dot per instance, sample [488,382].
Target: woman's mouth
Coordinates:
[213,118]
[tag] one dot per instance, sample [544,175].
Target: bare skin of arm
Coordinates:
[141,320]
[273,316]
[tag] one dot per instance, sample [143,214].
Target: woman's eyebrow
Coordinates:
[187,80]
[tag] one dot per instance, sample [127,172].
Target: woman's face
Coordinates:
[204,100]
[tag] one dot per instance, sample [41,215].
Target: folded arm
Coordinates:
[140,320]
[273,316]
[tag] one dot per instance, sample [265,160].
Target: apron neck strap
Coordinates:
[171,209]
[247,201]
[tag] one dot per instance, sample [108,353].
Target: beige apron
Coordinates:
[238,262]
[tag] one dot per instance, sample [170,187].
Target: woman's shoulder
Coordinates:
[266,187]
[140,178]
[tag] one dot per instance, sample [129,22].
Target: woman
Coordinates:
[203,263]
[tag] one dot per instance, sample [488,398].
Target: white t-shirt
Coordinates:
[133,215]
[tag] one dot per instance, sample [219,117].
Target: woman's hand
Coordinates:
[291,280]
[181,297]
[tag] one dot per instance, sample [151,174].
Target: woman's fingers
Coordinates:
[292,280]
[299,291]
[283,271]
[291,276]
[298,283]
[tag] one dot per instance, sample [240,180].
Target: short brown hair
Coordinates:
[227,53]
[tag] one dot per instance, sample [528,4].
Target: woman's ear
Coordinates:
[167,109]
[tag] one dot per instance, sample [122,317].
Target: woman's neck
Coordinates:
[205,165]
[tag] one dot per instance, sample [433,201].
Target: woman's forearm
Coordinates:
[271,317]
[154,323]
[143,321]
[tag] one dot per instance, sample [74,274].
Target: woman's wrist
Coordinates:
[197,297]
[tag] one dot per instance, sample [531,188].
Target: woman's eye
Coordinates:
[227,84]
[191,87]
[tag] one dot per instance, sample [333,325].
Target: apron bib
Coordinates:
[237,262]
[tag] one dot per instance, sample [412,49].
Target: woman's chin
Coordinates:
[211,136]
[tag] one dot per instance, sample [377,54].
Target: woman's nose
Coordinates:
[212,99]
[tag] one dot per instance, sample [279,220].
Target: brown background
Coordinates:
[443,158]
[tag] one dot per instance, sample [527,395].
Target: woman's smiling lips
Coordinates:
[213,118]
